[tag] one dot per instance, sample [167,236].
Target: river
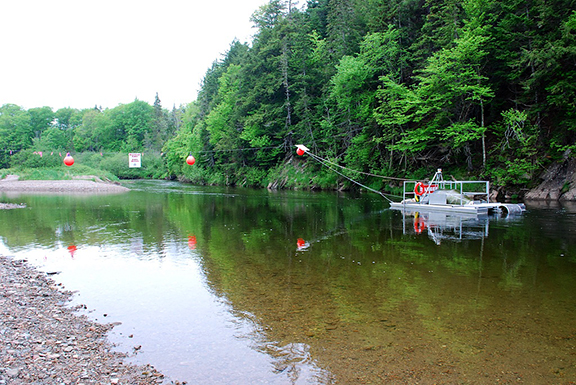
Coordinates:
[238,286]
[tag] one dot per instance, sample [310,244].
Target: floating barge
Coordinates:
[458,197]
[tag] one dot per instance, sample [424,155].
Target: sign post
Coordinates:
[135,160]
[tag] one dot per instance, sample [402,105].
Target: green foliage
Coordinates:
[109,165]
[461,133]
[396,87]
[41,119]
[117,164]
[184,142]
[516,149]
[45,174]
[52,139]
[300,175]
[89,136]
[15,131]
[60,172]
[33,159]
[518,172]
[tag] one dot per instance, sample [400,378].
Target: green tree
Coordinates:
[16,132]
[345,27]
[266,76]
[177,149]
[91,134]
[449,96]
[355,93]
[129,125]
[41,119]
[67,119]
[536,46]
[222,123]
[160,127]
[374,84]
[52,139]
[560,56]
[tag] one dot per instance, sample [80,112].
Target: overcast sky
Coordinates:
[82,53]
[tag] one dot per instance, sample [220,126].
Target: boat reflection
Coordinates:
[441,226]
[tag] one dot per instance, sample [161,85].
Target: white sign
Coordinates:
[135,160]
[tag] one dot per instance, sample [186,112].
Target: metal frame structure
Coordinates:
[472,197]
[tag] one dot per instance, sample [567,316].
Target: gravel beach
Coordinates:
[44,341]
[74,186]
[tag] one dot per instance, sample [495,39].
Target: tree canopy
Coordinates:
[397,88]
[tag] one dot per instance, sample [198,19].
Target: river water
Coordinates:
[239,286]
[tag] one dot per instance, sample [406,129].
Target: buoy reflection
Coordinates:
[72,249]
[192,242]
[301,244]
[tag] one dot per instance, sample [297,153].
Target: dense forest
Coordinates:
[388,87]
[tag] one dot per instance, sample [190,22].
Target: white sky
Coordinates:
[82,53]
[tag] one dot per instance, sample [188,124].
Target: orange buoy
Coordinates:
[301,149]
[72,249]
[190,160]
[419,225]
[68,160]
[192,242]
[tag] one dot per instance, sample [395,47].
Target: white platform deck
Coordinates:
[475,209]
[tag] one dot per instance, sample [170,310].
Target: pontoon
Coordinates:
[463,197]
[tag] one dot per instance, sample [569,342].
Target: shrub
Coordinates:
[32,159]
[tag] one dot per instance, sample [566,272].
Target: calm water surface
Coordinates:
[234,286]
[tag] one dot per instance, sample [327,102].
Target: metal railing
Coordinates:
[478,190]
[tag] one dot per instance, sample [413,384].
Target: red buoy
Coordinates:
[68,160]
[190,160]
[191,242]
[72,249]
[300,243]
[301,149]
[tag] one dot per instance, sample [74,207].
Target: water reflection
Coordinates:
[441,226]
[243,286]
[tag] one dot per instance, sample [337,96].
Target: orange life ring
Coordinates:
[420,188]
[419,225]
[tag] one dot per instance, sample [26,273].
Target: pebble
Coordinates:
[44,341]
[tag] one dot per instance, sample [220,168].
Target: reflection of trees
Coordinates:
[363,298]
[92,220]
[364,288]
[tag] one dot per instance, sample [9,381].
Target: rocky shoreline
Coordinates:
[74,186]
[45,341]
[9,206]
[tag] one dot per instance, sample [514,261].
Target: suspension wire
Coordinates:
[350,179]
[356,171]
[241,149]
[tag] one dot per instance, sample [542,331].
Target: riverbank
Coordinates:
[10,206]
[44,341]
[80,185]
